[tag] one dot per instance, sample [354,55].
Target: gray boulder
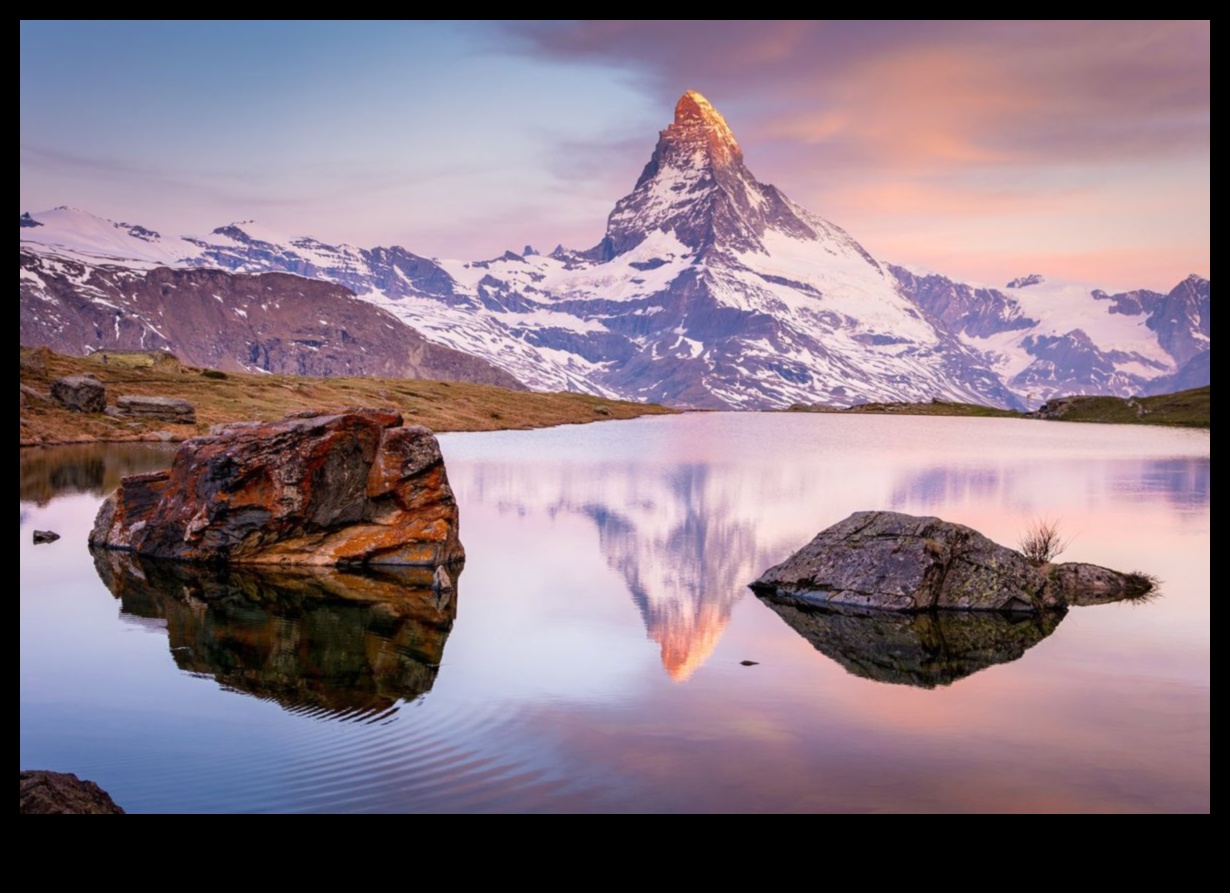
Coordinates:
[80,393]
[160,409]
[894,562]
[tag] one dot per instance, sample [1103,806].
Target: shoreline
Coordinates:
[226,397]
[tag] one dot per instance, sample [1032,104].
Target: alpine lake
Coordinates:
[603,653]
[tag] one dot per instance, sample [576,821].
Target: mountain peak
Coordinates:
[692,106]
[698,124]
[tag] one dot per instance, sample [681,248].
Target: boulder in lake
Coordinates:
[317,488]
[895,562]
[80,393]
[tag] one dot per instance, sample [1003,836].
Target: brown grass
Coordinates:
[439,405]
[1042,543]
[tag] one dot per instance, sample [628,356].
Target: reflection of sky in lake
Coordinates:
[687,535]
[603,613]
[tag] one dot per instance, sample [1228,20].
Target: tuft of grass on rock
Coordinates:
[1041,542]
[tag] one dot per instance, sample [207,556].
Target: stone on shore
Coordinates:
[316,488]
[80,393]
[62,793]
[158,409]
[895,562]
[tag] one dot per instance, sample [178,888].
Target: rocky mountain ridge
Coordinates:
[711,289]
[272,322]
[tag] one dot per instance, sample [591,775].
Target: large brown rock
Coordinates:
[343,488]
[894,562]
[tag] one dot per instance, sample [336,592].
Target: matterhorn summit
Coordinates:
[697,187]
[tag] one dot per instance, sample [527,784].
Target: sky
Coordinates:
[980,150]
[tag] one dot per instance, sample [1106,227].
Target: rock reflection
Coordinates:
[333,644]
[95,468]
[926,650]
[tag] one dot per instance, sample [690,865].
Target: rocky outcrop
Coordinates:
[62,793]
[347,488]
[894,562]
[157,409]
[80,393]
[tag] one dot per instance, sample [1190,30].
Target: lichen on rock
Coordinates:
[890,561]
[316,488]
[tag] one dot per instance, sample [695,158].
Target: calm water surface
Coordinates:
[591,660]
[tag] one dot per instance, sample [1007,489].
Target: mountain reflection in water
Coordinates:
[334,644]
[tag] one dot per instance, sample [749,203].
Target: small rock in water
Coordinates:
[749,663]
[45,536]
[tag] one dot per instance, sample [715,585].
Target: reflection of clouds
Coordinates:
[1180,484]
[1183,482]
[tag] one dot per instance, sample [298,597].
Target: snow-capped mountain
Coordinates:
[271,322]
[711,289]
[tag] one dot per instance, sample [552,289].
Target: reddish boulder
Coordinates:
[343,488]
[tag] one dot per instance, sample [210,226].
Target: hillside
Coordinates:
[221,397]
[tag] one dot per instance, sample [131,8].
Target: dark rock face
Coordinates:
[332,643]
[979,312]
[1195,373]
[1071,363]
[1181,320]
[162,409]
[1130,303]
[1025,281]
[62,793]
[924,649]
[80,393]
[889,561]
[318,489]
[272,322]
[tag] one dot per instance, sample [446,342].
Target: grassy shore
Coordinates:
[232,397]
[1185,409]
